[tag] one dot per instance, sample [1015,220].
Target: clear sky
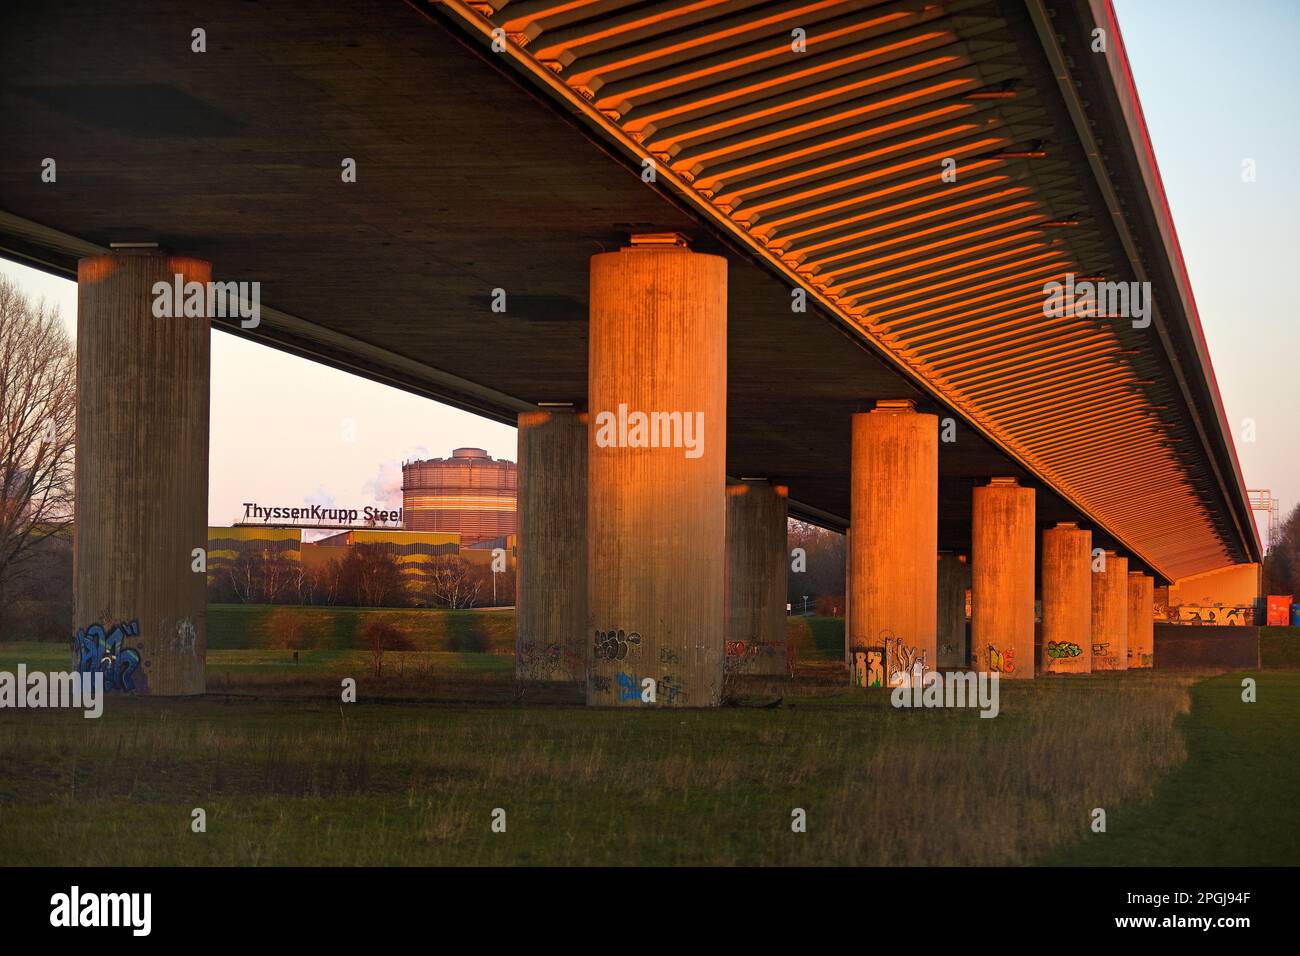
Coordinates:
[1219,84]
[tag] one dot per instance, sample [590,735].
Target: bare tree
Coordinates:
[1282,563]
[450,581]
[38,413]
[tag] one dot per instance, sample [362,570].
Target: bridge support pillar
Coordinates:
[756,578]
[140,587]
[893,574]
[657,507]
[1002,579]
[1110,615]
[954,579]
[1141,619]
[551,639]
[1067,599]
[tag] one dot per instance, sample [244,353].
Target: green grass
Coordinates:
[1232,803]
[1279,647]
[412,772]
[384,781]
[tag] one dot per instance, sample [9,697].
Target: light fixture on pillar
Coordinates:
[658,240]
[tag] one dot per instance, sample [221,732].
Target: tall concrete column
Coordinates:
[893,575]
[141,476]
[1141,619]
[551,573]
[756,578]
[1110,615]
[848,599]
[1067,599]
[657,508]
[1002,579]
[954,579]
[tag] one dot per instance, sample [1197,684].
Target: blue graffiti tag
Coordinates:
[627,687]
[98,651]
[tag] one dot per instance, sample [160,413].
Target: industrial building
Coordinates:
[469,494]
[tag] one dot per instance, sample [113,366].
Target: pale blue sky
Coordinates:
[1219,83]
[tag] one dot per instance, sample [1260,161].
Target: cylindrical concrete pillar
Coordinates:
[140,590]
[1141,619]
[551,640]
[848,599]
[1067,599]
[756,578]
[656,518]
[893,583]
[954,579]
[1002,579]
[1110,615]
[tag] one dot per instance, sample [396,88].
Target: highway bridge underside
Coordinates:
[467,182]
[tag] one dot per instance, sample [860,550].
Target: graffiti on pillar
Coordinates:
[739,654]
[902,661]
[538,662]
[105,651]
[187,638]
[668,656]
[1063,649]
[673,690]
[629,688]
[1138,658]
[868,667]
[1103,659]
[1212,614]
[614,645]
[1002,662]
[600,684]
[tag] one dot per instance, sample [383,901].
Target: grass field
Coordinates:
[411,774]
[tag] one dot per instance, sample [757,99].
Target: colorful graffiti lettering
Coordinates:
[613,645]
[100,651]
[1057,649]
[859,667]
[739,654]
[901,661]
[1215,614]
[868,670]
[1002,662]
[628,688]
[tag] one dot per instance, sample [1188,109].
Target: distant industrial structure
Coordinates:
[469,494]
[462,505]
